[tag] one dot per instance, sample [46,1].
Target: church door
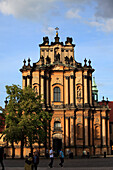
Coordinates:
[57,145]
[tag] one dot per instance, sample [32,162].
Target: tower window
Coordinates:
[57,94]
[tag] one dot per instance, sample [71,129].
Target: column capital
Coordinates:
[72,76]
[24,77]
[66,77]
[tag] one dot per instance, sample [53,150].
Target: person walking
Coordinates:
[1,157]
[51,155]
[29,162]
[61,155]
[36,159]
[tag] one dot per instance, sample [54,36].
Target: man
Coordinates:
[36,159]
[51,157]
[61,155]
[1,157]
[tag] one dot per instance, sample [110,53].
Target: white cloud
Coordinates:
[50,31]
[42,10]
[105,25]
[31,9]
[73,13]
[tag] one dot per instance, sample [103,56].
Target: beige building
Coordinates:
[78,122]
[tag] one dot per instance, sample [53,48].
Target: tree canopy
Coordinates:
[25,118]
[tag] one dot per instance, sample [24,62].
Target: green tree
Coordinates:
[2,120]
[13,113]
[25,118]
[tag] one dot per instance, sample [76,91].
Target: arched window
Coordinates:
[35,89]
[57,125]
[57,94]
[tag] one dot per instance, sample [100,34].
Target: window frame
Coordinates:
[57,94]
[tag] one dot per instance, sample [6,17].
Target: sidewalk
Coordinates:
[64,168]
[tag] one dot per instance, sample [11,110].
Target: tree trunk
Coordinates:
[31,149]
[13,151]
[22,145]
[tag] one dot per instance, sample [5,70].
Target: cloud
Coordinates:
[50,31]
[104,8]
[30,9]
[99,12]
[73,14]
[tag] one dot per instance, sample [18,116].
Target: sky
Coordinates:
[23,24]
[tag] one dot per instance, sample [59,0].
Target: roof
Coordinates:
[110,104]
[111,111]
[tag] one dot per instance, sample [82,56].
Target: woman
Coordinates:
[29,162]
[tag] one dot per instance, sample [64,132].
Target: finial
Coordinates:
[107,101]
[56,31]
[6,102]
[85,61]
[89,63]
[24,62]
[29,61]
[103,97]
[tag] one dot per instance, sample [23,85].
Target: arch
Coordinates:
[57,94]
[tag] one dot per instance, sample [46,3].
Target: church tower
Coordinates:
[77,123]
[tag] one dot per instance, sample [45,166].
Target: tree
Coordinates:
[2,120]
[34,118]
[13,113]
[25,118]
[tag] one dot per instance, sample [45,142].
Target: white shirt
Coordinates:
[51,153]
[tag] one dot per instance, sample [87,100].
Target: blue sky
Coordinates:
[24,23]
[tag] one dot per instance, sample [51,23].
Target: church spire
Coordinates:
[94,90]
[57,38]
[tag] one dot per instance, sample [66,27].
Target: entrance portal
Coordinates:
[57,145]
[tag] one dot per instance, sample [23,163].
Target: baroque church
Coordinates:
[78,123]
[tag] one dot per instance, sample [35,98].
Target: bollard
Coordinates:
[104,154]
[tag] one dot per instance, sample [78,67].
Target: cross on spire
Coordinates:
[56,31]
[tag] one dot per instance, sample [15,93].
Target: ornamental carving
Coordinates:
[79,93]
[57,80]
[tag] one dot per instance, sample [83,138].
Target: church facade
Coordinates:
[78,123]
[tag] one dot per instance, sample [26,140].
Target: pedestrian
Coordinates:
[1,157]
[51,155]
[47,153]
[61,155]
[36,159]
[29,162]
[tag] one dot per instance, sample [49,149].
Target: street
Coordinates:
[78,164]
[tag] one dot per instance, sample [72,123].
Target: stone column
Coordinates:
[28,80]
[67,135]
[72,131]
[71,89]
[90,87]
[24,83]
[103,131]
[42,86]
[47,90]
[66,90]
[86,130]
[91,127]
[85,88]
[108,133]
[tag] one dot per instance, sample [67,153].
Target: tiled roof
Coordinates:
[110,104]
